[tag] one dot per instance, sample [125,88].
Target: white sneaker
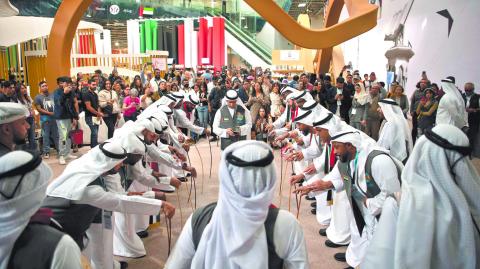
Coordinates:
[72,157]
[61,160]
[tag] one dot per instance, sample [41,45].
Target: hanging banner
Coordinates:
[160,63]
[289,55]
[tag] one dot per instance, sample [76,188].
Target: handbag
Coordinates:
[76,136]
[108,109]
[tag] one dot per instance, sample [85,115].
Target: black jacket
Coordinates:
[473,117]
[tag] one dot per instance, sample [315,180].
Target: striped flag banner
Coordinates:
[148,11]
[145,11]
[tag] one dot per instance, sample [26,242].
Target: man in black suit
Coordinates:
[472,105]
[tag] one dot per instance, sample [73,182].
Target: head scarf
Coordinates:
[451,106]
[308,112]
[439,206]
[288,89]
[305,95]
[402,143]
[165,100]
[362,97]
[82,171]
[136,128]
[235,236]
[192,98]
[15,212]
[349,136]
[232,95]
[10,112]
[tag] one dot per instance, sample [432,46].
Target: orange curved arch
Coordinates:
[363,18]
[61,37]
[334,8]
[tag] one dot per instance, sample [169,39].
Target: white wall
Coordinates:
[427,32]
[244,51]
[272,38]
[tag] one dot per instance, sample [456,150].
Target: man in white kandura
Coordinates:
[232,121]
[79,194]
[439,215]
[451,106]
[242,230]
[395,134]
[338,231]
[369,175]
[27,237]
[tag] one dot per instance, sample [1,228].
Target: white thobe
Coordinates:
[448,112]
[244,129]
[381,251]
[182,121]
[110,201]
[287,238]
[339,229]
[384,171]
[386,139]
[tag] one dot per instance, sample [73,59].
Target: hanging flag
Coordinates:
[145,11]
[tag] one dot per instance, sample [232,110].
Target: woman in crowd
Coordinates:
[117,87]
[202,108]
[360,104]
[261,125]
[257,100]
[131,105]
[108,102]
[276,102]
[174,87]
[137,84]
[426,111]
[401,99]
[146,98]
[24,98]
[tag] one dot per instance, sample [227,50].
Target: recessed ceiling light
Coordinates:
[302,5]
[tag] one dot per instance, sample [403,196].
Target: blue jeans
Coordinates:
[93,132]
[32,145]
[64,127]
[49,132]
[202,112]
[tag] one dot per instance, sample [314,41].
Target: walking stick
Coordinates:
[168,223]
[186,190]
[180,206]
[201,163]
[211,159]
[297,201]
[192,184]
[281,180]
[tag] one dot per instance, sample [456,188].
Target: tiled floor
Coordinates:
[207,191]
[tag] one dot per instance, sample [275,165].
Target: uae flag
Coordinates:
[145,11]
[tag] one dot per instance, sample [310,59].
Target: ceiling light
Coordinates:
[302,5]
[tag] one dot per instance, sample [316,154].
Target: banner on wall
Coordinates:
[289,55]
[160,63]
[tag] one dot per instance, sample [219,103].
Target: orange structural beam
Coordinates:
[362,19]
[61,36]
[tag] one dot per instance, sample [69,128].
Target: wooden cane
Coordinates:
[180,207]
[281,181]
[168,223]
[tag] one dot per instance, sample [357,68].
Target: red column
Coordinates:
[202,39]
[222,41]
[218,42]
[181,44]
[210,45]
